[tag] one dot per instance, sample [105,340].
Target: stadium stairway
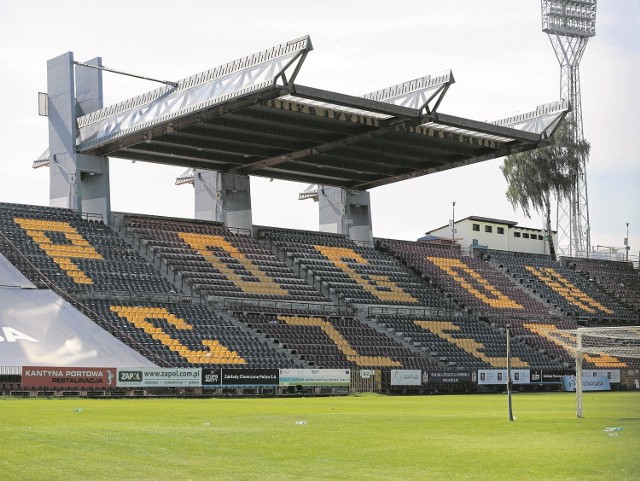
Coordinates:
[569,292]
[398,336]
[305,272]
[617,278]
[90,266]
[219,304]
[359,311]
[358,274]
[226,315]
[477,286]
[141,246]
[151,278]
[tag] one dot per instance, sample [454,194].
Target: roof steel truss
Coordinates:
[249,117]
[193,94]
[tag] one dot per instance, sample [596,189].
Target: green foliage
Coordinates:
[354,438]
[535,175]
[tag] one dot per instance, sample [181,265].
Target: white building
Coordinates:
[496,234]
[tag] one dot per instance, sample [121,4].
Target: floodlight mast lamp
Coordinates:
[569,24]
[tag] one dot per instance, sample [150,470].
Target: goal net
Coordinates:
[619,342]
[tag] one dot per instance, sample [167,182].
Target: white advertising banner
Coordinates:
[499,376]
[613,375]
[159,377]
[12,277]
[38,328]
[597,383]
[315,377]
[406,377]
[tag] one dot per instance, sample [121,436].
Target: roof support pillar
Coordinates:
[208,199]
[77,181]
[345,211]
[225,198]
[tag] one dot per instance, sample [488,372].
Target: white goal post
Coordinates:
[621,342]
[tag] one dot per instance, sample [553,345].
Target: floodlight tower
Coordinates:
[569,24]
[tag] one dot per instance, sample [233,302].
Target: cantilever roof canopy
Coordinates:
[249,117]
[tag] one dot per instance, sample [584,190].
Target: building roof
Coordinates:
[490,220]
[250,117]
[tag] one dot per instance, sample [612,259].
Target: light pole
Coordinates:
[453,223]
[626,245]
[570,25]
[509,371]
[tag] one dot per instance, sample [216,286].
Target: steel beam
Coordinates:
[193,94]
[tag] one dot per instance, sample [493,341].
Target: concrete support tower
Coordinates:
[77,181]
[345,211]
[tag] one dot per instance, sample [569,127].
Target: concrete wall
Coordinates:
[497,235]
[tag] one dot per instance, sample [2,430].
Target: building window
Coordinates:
[476,227]
[525,235]
[488,228]
[500,230]
[540,237]
[516,234]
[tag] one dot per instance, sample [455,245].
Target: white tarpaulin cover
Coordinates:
[12,277]
[38,328]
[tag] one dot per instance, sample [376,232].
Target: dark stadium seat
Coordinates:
[218,263]
[564,289]
[549,336]
[618,278]
[330,341]
[466,343]
[75,254]
[274,315]
[357,274]
[187,335]
[472,283]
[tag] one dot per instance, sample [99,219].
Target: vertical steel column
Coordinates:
[569,26]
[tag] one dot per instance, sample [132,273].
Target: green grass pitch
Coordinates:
[366,437]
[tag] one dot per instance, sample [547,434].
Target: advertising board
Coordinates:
[449,378]
[159,377]
[499,376]
[406,377]
[597,383]
[250,377]
[68,377]
[315,377]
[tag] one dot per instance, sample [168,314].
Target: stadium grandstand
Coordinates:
[217,305]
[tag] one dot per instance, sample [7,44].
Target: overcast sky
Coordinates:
[502,62]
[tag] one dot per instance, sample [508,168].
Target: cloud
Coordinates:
[501,59]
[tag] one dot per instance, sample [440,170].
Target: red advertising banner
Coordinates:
[68,377]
